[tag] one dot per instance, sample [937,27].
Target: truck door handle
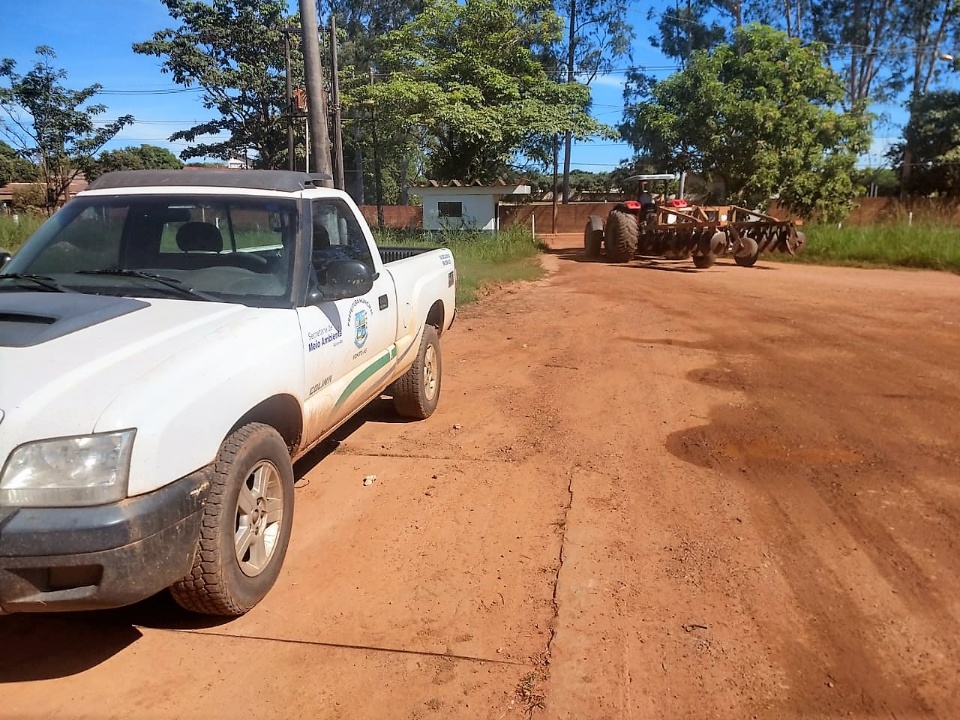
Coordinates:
[384,302]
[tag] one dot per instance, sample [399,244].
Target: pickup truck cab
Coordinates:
[170,342]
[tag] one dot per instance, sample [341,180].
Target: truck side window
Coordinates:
[337,234]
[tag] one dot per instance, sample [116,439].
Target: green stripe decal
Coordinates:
[366,374]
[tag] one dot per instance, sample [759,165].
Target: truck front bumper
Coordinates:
[56,559]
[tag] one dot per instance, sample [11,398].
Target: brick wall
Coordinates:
[395,216]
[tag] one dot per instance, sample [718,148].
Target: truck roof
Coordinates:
[277,180]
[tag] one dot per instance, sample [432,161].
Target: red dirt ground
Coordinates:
[648,492]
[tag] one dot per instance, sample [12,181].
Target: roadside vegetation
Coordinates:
[482,258]
[13,233]
[936,247]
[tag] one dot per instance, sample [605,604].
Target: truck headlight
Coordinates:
[67,472]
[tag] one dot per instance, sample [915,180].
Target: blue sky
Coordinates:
[93,38]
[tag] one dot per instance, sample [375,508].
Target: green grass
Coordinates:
[482,258]
[936,247]
[14,234]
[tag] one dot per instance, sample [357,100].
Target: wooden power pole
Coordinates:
[316,115]
[335,99]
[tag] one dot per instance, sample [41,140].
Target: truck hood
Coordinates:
[65,356]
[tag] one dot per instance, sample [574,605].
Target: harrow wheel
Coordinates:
[748,253]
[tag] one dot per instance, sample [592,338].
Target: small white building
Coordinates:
[457,206]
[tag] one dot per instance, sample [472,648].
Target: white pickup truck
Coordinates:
[170,342]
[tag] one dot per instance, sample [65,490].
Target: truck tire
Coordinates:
[593,237]
[621,236]
[417,392]
[246,525]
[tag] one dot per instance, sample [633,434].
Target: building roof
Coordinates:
[472,187]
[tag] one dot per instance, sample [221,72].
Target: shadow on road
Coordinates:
[645,262]
[44,646]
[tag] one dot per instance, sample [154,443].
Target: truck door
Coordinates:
[351,343]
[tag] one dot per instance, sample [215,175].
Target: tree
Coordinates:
[14,168]
[684,28]
[859,34]
[597,35]
[145,157]
[927,24]
[234,51]
[933,137]
[465,79]
[758,114]
[52,126]
[361,24]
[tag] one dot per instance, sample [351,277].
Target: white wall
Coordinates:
[479,210]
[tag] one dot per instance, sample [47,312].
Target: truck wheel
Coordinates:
[593,237]
[621,235]
[246,525]
[415,395]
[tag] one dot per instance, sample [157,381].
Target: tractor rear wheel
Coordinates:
[592,238]
[621,236]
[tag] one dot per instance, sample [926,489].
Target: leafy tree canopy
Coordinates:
[145,157]
[758,114]
[234,51]
[933,135]
[465,78]
[50,125]
[14,168]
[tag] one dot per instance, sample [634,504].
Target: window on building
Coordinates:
[450,209]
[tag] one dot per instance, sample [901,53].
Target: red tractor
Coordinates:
[676,230]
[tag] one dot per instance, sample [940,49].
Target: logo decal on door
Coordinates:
[359,317]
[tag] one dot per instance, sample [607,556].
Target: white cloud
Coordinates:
[614,81]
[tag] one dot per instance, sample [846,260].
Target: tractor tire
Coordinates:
[593,237]
[246,525]
[621,236]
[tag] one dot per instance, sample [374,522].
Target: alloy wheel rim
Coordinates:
[430,373]
[259,516]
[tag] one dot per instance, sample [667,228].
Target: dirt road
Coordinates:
[648,492]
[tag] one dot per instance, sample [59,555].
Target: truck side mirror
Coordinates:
[346,279]
[5,257]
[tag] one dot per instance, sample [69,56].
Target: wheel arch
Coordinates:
[436,316]
[282,413]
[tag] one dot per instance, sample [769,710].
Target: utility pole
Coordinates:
[571,76]
[291,149]
[316,117]
[335,99]
[376,159]
[556,153]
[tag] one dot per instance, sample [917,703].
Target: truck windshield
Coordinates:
[236,249]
